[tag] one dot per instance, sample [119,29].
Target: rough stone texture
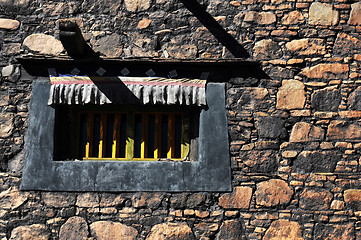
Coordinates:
[293,18]
[137,5]
[291,95]
[231,230]
[307,46]
[260,161]
[9,24]
[31,232]
[334,231]
[87,200]
[322,14]
[43,44]
[12,198]
[187,51]
[343,130]
[106,230]
[315,161]
[270,127]
[262,18]
[353,198]
[108,46]
[315,199]
[282,230]
[354,99]
[147,200]
[75,228]
[327,99]
[355,15]
[171,231]
[58,199]
[306,132]
[239,198]
[326,71]
[144,23]
[347,44]
[6,124]
[266,49]
[254,98]
[273,193]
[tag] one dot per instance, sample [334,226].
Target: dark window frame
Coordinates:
[211,171]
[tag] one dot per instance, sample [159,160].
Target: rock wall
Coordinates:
[295,137]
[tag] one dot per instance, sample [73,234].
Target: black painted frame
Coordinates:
[211,172]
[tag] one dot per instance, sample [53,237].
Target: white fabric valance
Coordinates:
[126,90]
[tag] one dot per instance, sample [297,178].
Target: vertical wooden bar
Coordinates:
[102,136]
[157,127]
[145,135]
[116,136]
[170,153]
[130,137]
[89,135]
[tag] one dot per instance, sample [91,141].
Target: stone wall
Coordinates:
[295,137]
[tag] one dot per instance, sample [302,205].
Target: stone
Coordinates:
[266,18]
[326,71]
[337,204]
[266,49]
[307,47]
[12,198]
[43,44]
[107,230]
[354,99]
[108,46]
[293,18]
[231,230]
[260,161]
[196,199]
[186,51]
[343,130]
[87,200]
[322,14]
[171,230]
[347,44]
[144,23]
[334,231]
[6,124]
[326,99]
[254,98]
[240,198]
[75,228]
[30,232]
[7,71]
[306,132]
[355,15]
[9,24]
[273,193]
[151,200]
[283,229]
[111,199]
[270,127]
[137,5]
[58,200]
[289,154]
[10,49]
[291,95]
[315,161]
[178,200]
[353,198]
[315,199]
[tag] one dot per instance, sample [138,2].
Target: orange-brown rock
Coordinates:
[315,199]
[334,231]
[239,198]
[283,230]
[9,24]
[307,46]
[75,228]
[343,130]
[347,44]
[107,230]
[306,132]
[326,71]
[58,200]
[30,232]
[273,192]
[293,18]
[355,15]
[12,198]
[144,23]
[266,49]
[322,14]
[6,124]
[175,231]
[87,200]
[230,230]
[43,44]
[353,198]
[108,45]
[291,95]
[262,18]
[137,5]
